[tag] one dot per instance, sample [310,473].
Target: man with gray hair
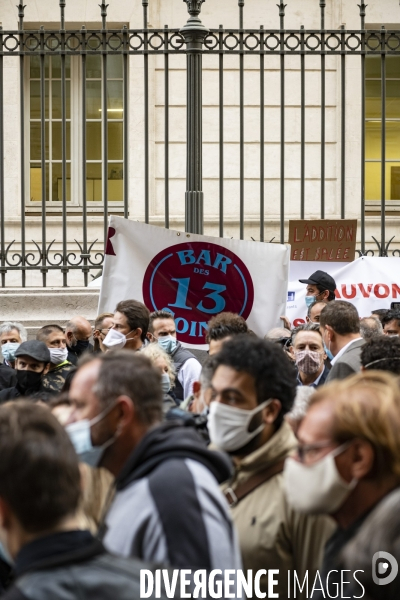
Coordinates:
[370,328]
[12,334]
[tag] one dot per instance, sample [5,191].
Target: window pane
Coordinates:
[56,66]
[115,182]
[393,67]
[393,140]
[93,99]
[36,183]
[93,66]
[373,139]
[115,141]
[393,99]
[372,181]
[56,141]
[35,67]
[373,99]
[36,141]
[35,99]
[93,182]
[114,66]
[56,99]
[56,180]
[114,100]
[373,66]
[393,181]
[93,141]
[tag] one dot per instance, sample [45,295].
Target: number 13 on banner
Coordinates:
[197,280]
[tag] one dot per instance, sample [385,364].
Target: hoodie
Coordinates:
[168,507]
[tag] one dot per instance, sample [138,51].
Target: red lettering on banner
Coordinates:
[352,293]
[395,290]
[365,292]
[295,235]
[378,293]
[349,234]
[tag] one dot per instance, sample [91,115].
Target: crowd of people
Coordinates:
[122,450]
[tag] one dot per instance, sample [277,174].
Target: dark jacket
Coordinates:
[73,356]
[72,565]
[14,392]
[168,507]
[8,377]
[54,380]
[179,356]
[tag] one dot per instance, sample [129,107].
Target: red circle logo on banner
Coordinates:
[195,281]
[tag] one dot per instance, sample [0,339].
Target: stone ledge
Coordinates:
[35,307]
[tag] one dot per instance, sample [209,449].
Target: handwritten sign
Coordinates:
[323,240]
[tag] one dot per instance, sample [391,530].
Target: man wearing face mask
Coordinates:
[252,389]
[54,338]
[187,368]
[32,362]
[308,351]
[78,332]
[168,507]
[340,330]
[12,334]
[130,325]
[347,460]
[320,286]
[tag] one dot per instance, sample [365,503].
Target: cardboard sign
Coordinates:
[323,240]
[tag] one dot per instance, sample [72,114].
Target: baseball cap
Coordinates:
[35,349]
[321,279]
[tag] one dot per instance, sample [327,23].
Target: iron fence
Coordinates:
[194,41]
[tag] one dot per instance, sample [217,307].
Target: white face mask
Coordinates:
[58,355]
[317,488]
[115,340]
[228,426]
[81,437]
[165,383]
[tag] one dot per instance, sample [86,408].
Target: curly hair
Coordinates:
[382,354]
[274,375]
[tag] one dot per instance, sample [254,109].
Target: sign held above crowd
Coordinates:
[194,277]
[323,240]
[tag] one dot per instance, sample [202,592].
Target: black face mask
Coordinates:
[29,380]
[80,347]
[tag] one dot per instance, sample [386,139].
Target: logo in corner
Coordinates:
[384,568]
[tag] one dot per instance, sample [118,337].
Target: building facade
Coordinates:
[306,132]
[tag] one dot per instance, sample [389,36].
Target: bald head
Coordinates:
[78,331]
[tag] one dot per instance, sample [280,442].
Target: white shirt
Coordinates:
[343,350]
[188,374]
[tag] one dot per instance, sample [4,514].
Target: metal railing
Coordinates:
[195,41]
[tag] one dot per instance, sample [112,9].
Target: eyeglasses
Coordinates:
[312,450]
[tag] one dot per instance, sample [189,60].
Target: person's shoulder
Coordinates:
[8,394]
[14,593]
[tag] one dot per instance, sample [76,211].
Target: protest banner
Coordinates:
[323,240]
[194,276]
[369,283]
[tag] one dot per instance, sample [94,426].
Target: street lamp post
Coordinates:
[194,34]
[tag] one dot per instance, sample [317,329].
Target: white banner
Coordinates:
[369,283]
[194,276]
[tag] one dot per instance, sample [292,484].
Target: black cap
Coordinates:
[37,350]
[321,279]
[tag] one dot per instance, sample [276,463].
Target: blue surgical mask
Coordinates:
[8,351]
[81,438]
[167,343]
[165,383]
[328,352]
[310,300]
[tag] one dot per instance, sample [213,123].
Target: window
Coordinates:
[94,132]
[373,153]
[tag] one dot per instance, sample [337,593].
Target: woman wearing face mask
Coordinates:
[163,361]
[102,326]
[308,353]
